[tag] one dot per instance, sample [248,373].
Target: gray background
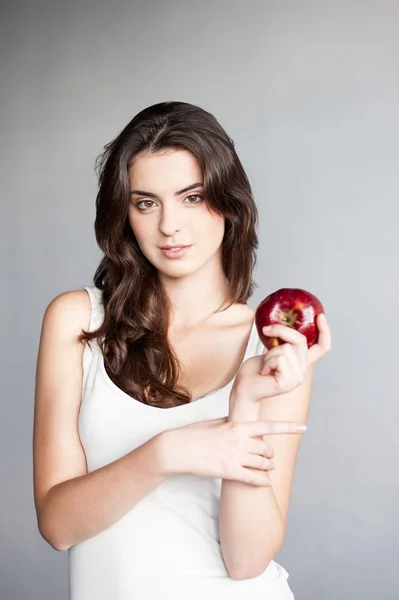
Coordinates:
[309,91]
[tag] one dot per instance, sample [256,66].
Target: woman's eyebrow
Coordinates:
[151,195]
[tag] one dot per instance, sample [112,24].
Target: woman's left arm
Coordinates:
[252,519]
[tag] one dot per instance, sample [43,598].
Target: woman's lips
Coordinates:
[169,253]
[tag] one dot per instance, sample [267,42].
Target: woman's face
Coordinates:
[161,213]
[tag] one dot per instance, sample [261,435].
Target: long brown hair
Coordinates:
[133,335]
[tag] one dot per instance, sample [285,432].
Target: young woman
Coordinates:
[158,412]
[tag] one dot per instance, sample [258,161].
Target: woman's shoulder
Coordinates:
[70,300]
[239,315]
[69,311]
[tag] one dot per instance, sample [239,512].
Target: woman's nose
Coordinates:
[170,222]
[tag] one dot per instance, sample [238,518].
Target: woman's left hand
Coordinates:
[284,367]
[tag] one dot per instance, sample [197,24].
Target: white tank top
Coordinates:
[167,546]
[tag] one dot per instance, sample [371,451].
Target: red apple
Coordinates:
[292,307]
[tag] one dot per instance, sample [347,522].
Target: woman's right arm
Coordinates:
[73,505]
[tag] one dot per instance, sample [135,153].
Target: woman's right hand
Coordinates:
[223,448]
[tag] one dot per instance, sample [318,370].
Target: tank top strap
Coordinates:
[97,307]
[92,351]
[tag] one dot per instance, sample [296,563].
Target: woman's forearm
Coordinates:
[250,523]
[80,508]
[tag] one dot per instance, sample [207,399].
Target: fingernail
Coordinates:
[301,427]
[267,328]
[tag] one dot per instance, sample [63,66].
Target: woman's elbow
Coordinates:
[248,573]
[254,568]
[50,538]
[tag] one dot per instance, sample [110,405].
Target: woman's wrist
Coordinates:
[241,409]
[171,458]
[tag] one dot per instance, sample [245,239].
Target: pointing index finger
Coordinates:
[258,428]
[276,427]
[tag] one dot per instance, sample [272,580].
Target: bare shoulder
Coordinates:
[64,318]
[57,452]
[237,314]
[69,309]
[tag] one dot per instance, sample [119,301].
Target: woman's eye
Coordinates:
[143,205]
[195,196]
[143,202]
